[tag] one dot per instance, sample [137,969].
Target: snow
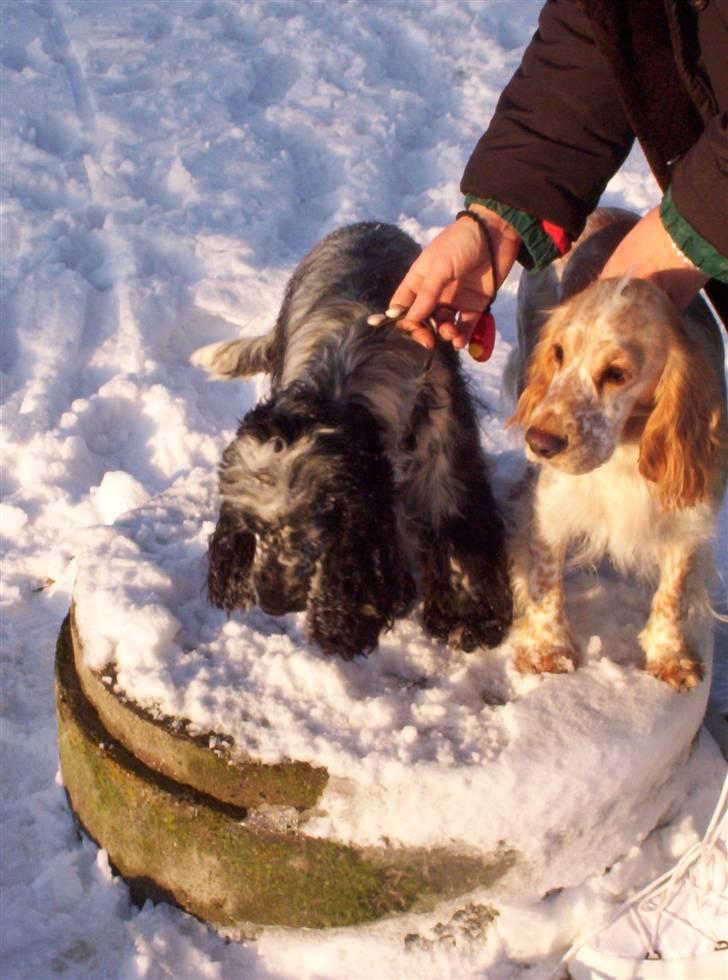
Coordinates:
[415,737]
[165,165]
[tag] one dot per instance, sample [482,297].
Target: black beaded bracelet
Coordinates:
[480,222]
[483,225]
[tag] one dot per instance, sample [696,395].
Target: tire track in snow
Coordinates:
[108,307]
[61,49]
[97,347]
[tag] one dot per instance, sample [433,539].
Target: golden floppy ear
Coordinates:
[683,435]
[541,368]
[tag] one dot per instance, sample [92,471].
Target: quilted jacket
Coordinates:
[597,74]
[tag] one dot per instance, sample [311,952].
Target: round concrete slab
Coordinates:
[220,861]
[202,761]
[228,763]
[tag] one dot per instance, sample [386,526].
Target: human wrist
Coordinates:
[501,243]
[494,220]
[540,241]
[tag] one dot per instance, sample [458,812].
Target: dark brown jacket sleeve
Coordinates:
[700,184]
[699,178]
[559,132]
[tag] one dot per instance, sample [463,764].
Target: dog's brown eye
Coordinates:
[558,354]
[614,375]
[277,444]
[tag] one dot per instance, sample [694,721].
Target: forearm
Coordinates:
[559,132]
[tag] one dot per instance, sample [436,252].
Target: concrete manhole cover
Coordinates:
[230,767]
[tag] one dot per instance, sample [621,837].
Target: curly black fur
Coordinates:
[363,580]
[362,472]
[230,559]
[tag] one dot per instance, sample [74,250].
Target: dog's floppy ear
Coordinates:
[542,367]
[360,587]
[230,557]
[682,437]
[362,581]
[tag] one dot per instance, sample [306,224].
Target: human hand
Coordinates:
[455,271]
[648,252]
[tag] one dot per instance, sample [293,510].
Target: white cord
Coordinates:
[668,884]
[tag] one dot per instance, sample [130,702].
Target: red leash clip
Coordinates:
[482,339]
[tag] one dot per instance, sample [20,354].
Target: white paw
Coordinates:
[683,671]
[539,651]
[669,658]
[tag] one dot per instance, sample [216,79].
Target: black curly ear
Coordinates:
[466,595]
[362,582]
[361,586]
[230,558]
[341,620]
[466,592]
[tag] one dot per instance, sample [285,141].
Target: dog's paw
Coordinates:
[682,672]
[463,632]
[541,648]
[536,660]
[668,657]
[468,637]
[343,633]
[467,618]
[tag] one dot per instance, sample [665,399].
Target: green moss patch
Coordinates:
[208,856]
[166,745]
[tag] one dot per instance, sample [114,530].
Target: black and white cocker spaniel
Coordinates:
[361,479]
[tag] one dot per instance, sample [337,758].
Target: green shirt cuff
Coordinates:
[538,249]
[691,243]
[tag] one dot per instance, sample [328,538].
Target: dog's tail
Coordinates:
[236,358]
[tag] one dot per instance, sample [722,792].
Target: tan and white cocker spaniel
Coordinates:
[624,409]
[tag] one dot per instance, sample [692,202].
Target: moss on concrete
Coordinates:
[166,745]
[173,842]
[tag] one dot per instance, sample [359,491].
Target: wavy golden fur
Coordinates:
[624,409]
[685,433]
[682,418]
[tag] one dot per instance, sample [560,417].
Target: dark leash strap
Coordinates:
[482,339]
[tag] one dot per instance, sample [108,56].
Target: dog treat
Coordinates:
[393,314]
[481,343]
[377,319]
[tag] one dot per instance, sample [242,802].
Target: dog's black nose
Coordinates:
[545,444]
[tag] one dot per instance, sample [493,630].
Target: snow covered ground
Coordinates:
[165,164]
